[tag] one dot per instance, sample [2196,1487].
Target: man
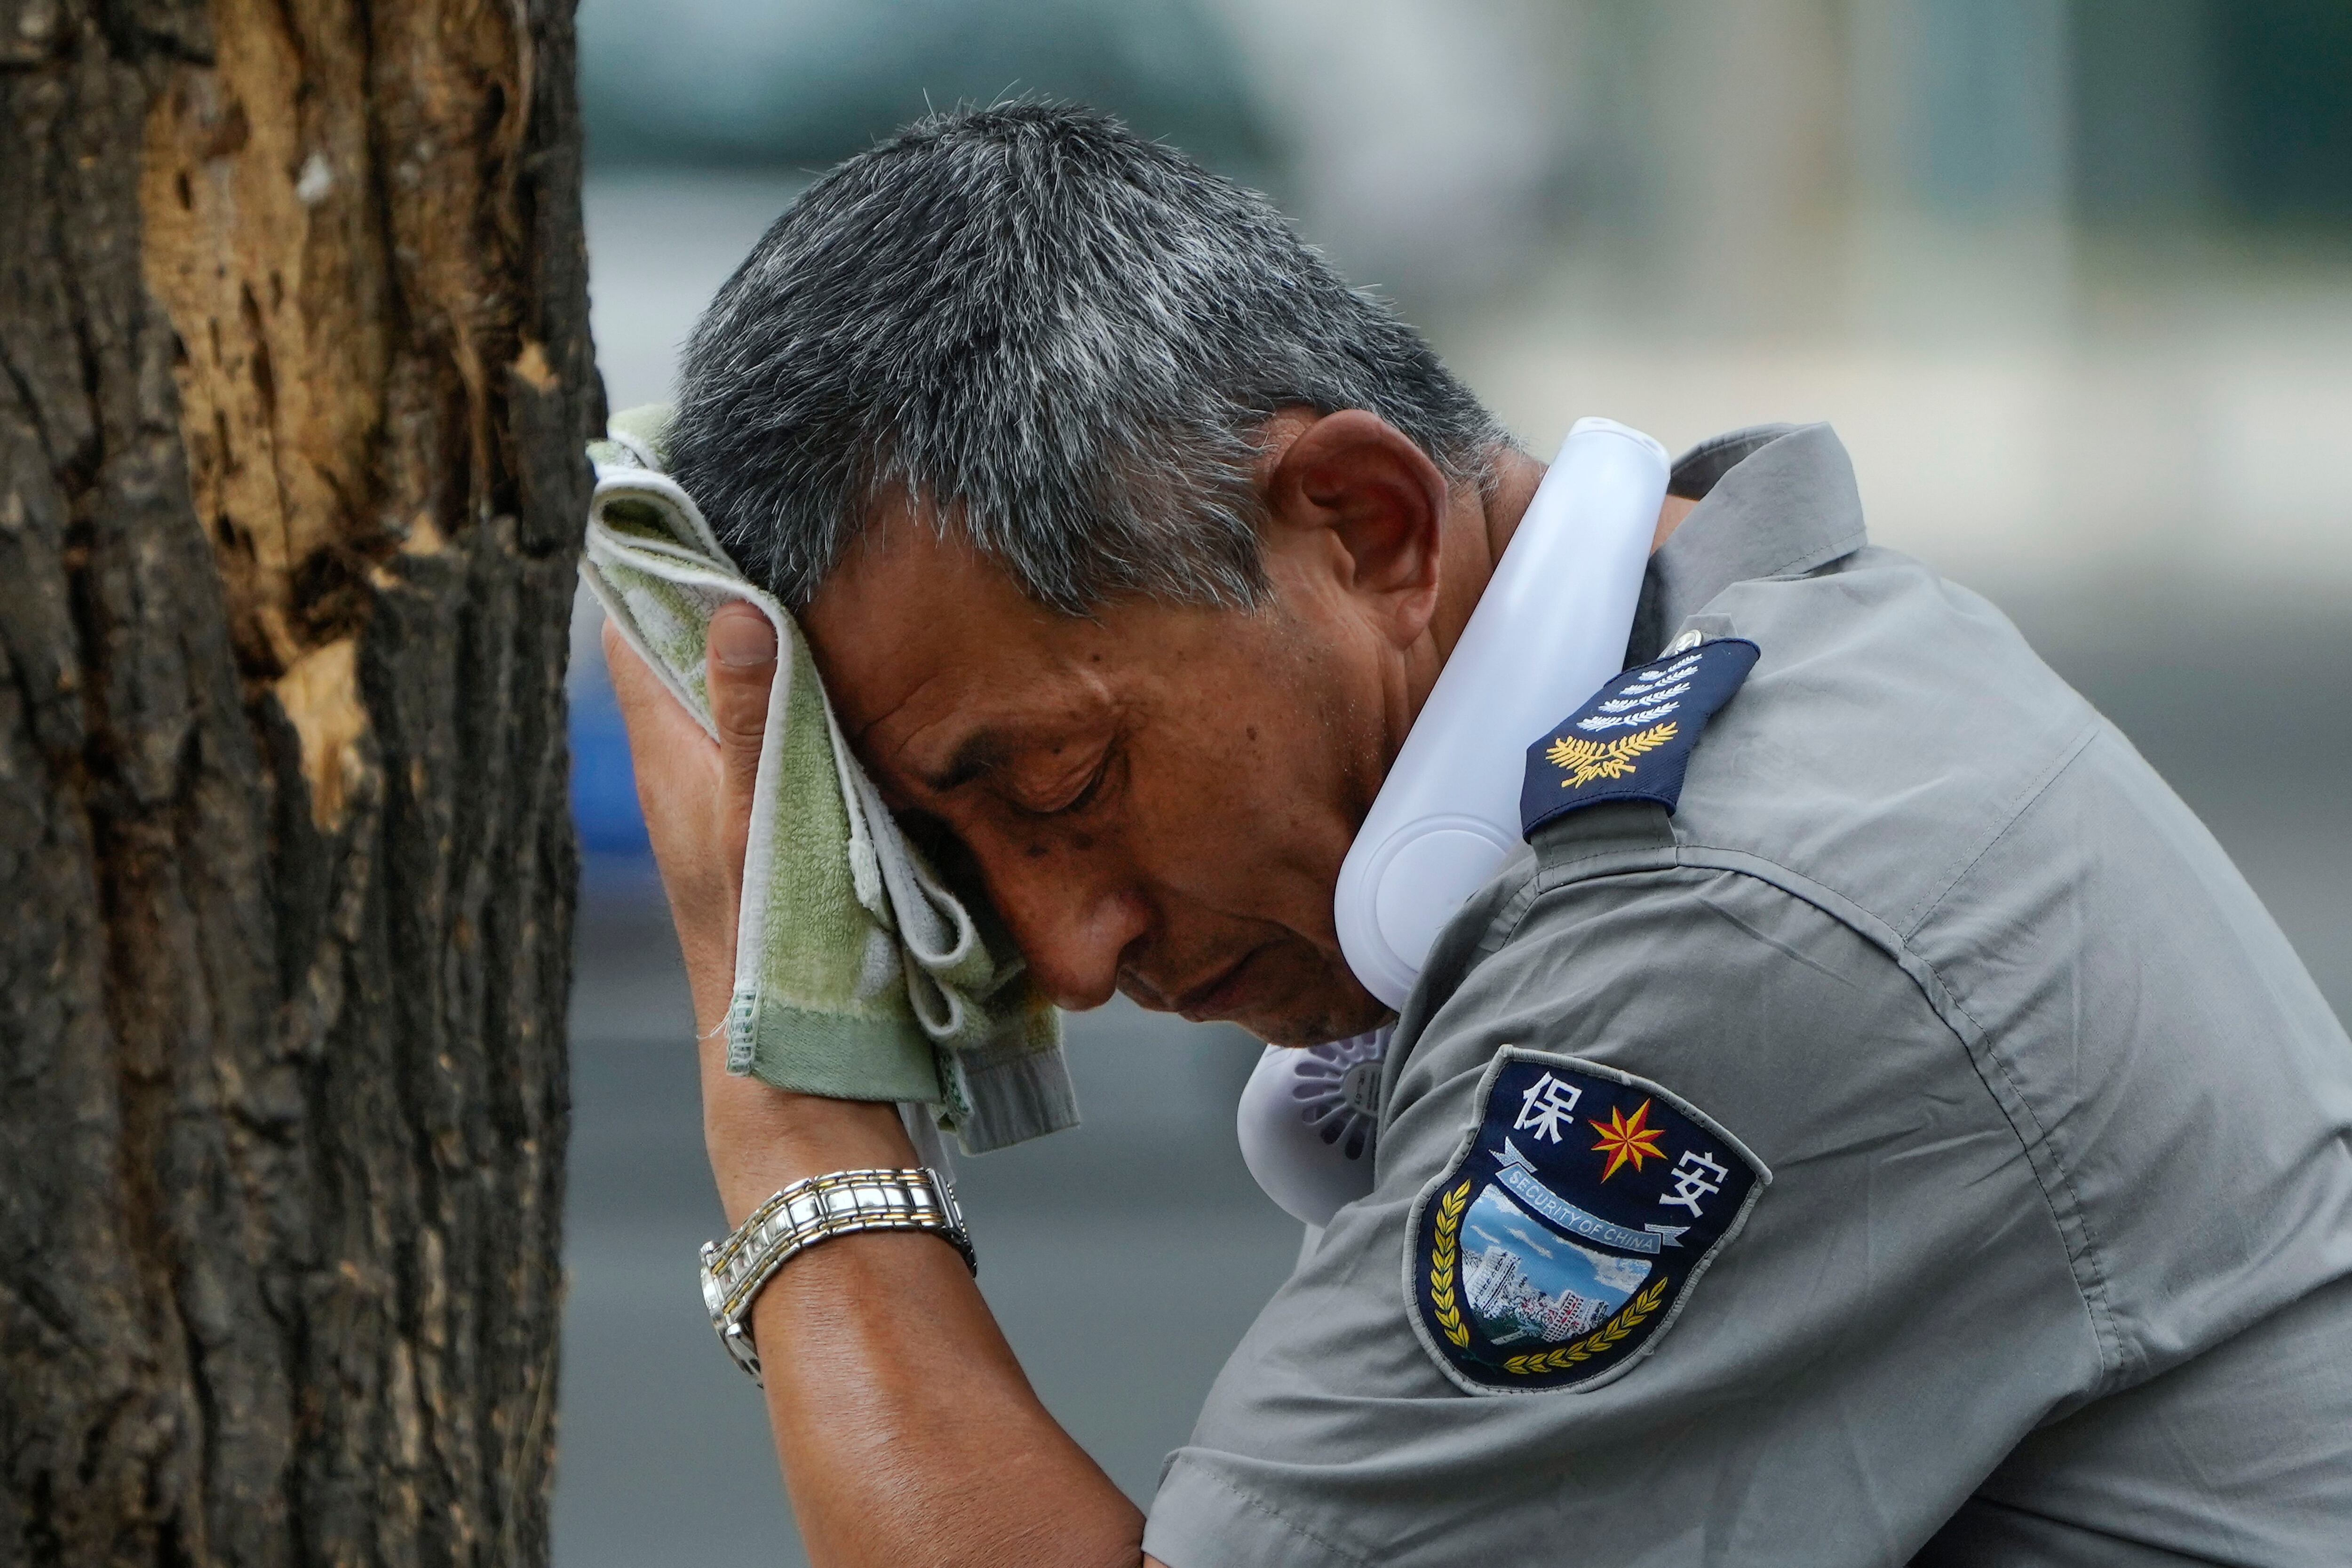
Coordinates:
[1907,1007]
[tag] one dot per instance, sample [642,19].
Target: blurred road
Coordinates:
[1126,1258]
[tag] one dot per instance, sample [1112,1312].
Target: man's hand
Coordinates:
[906,1431]
[697,799]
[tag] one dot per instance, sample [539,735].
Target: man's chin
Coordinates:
[1285,999]
[1332,1012]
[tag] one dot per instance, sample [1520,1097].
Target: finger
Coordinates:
[742,669]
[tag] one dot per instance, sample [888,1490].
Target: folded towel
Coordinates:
[858,973]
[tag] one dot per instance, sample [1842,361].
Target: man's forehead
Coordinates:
[927,646]
[960,724]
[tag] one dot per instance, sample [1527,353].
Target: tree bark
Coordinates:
[293,323]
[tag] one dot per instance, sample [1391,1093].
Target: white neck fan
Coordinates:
[1551,627]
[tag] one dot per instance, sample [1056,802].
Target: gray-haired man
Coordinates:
[2013,1144]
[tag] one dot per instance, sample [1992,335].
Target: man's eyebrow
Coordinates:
[976,754]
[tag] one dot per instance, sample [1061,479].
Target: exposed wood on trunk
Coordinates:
[293,325]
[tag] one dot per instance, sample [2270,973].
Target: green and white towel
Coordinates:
[858,973]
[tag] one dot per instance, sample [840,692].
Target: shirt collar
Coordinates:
[1774,500]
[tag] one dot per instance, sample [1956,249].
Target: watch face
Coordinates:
[714,1298]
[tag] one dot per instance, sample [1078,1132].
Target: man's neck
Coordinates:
[1479,529]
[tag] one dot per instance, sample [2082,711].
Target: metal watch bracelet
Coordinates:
[815,1209]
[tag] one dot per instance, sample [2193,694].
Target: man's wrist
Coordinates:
[856,1202]
[762,1139]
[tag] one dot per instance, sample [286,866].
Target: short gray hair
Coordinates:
[1055,336]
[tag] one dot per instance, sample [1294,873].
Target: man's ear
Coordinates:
[1353,500]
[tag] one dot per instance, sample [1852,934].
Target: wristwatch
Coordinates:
[813,1210]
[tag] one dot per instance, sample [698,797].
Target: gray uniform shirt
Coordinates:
[2054,1261]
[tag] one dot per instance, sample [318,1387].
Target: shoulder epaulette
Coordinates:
[1634,739]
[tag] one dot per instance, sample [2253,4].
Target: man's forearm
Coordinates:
[907,1434]
[906,1431]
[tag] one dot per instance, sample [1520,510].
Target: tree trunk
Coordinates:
[293,323]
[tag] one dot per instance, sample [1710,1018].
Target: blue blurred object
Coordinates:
[603,785]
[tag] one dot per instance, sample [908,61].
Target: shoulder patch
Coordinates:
[1563,1240]
[1634,739]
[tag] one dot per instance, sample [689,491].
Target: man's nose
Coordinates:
[1074,928]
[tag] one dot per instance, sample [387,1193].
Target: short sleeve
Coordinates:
[1825,1388]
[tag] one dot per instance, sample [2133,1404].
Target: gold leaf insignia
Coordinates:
[1605,1338]
[1444,1254]
[1584,760]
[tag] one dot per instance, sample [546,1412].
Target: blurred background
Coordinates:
[2072,278]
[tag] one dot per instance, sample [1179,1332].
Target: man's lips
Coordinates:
[1218,996]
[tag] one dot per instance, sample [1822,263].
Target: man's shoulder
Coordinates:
[1726,985]
[1900,762]
[1892,726]
[1841,748]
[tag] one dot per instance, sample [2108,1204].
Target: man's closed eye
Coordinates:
[1074,796]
